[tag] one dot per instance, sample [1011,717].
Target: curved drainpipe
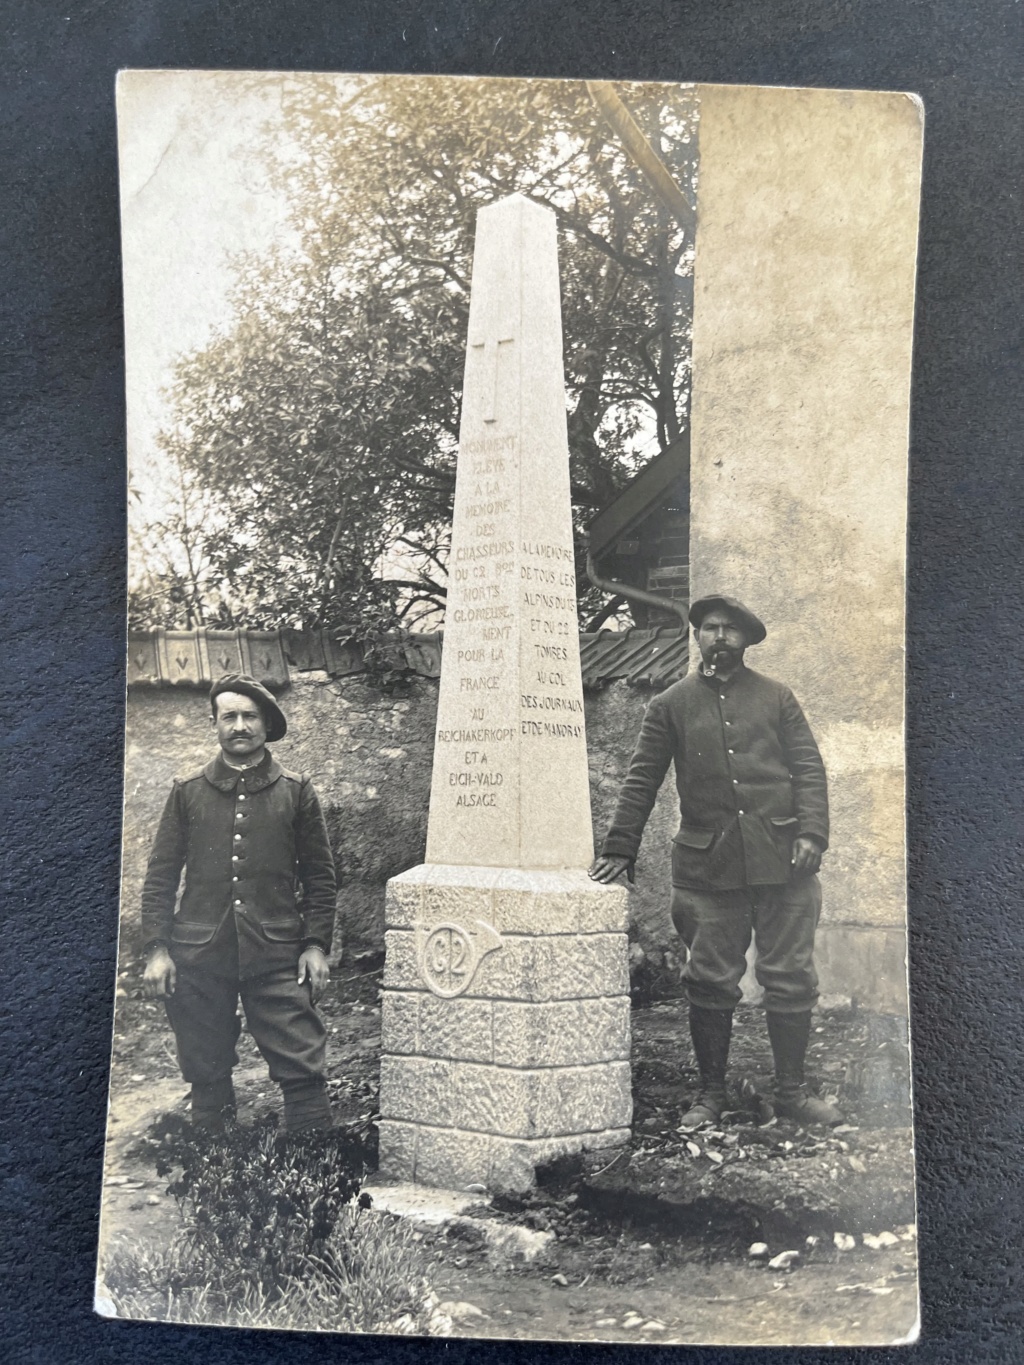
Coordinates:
[632,594]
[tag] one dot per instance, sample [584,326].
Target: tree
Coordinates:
[325,420]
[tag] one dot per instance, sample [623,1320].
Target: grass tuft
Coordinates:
[274,1233]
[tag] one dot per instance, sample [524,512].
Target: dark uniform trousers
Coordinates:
[203,1012]
[717,927]
[259,888]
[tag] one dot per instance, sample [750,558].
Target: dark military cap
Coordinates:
[273,716]
[753,628]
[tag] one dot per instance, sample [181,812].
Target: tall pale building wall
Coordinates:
[803,317]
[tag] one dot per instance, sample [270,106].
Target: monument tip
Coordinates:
[517,201]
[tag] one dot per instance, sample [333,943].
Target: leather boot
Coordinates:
[213,1105]
[789,1035]
[711,1031]
[306,1106]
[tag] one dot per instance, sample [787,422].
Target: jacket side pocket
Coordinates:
[186,931]
[690,854]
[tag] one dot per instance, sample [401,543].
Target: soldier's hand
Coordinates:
[609,866]
[313,966]
[806,855]
[160,975]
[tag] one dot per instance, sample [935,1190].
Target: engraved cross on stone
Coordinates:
[494,345]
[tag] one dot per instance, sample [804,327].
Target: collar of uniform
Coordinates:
[717,682]
[225,778]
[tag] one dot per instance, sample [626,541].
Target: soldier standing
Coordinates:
[256,915]
[753,806]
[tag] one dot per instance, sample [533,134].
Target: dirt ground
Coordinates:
[650,1244]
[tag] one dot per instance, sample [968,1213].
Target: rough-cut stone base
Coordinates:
[452,1158]
[530,1060]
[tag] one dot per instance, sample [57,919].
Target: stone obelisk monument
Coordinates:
[506,1000]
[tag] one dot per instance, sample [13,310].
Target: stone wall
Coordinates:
[370,755]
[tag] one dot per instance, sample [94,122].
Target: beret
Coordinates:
[752,625]
[277,726]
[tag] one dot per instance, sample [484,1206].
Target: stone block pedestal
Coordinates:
[505,1031]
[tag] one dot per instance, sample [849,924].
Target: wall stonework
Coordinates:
[369,754]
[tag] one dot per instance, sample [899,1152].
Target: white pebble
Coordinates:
[844,1242]
[460,1309]
[758,1251]
[785,1260]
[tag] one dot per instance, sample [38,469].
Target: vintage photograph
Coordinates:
[513,911]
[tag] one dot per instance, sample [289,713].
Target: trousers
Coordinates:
[717,927]
[282,1020]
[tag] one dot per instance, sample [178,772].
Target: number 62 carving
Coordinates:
[449,955]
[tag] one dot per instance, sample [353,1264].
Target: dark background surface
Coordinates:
[62,548]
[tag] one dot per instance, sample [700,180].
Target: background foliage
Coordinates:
[314,440]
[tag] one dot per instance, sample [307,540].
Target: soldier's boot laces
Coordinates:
[789,1035]
[711,1031]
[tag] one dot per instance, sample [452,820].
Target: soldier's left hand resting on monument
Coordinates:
[313,965]
[609,866]
[806,855]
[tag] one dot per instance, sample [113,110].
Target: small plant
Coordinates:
[275,1232]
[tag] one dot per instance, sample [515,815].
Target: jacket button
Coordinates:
[732,751]
[241,796]
[735,783]
[238,902]
[234,879]
[234,857]
[739,812]
[238,836]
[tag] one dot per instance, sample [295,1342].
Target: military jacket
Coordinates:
[254,849]
[748,773]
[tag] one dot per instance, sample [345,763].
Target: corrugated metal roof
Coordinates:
[643,658]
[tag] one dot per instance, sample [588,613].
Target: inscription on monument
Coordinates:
[512,582]
[482,603]
[518,1074]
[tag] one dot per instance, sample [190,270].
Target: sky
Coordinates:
[192,195]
